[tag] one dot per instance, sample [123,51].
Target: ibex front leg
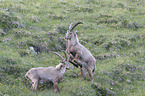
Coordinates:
[34,84]
[71,57]
[56,89]
[77,59]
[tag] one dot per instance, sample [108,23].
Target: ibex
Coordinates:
[78,54]
[49,74]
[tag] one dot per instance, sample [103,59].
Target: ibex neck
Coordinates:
[63,70]
[74,40]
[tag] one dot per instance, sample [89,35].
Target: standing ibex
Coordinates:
[49,74]
[80,55]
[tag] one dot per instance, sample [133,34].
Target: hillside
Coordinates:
[113,31]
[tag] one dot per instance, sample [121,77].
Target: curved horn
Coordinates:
[67,59]
[75,25]
[70,26]
[66,56]
[58,55]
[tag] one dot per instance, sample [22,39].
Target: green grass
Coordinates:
[112,30]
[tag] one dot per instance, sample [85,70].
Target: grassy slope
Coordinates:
[113,31]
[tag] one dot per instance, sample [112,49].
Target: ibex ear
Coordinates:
[58,67]
[75,32]
[68,31]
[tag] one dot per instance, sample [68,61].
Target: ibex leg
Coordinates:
[82,67]
[35,84]
[83,73]
[90,74]
[80,63]
[70,60]
[90,70]
[75,64]
[56,89]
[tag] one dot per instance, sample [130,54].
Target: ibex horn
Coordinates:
[66,56]
[70,26]
[74,25]
[59,55]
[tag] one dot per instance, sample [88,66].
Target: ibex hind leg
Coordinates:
[91,75]
[83,73]
[82,66]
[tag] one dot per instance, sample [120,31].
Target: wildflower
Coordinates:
[130,21]
[25,88]
[38,4]
[124,10]
[58,15]
[135,20]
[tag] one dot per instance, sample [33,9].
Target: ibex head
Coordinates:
[64,60]
[70,32]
